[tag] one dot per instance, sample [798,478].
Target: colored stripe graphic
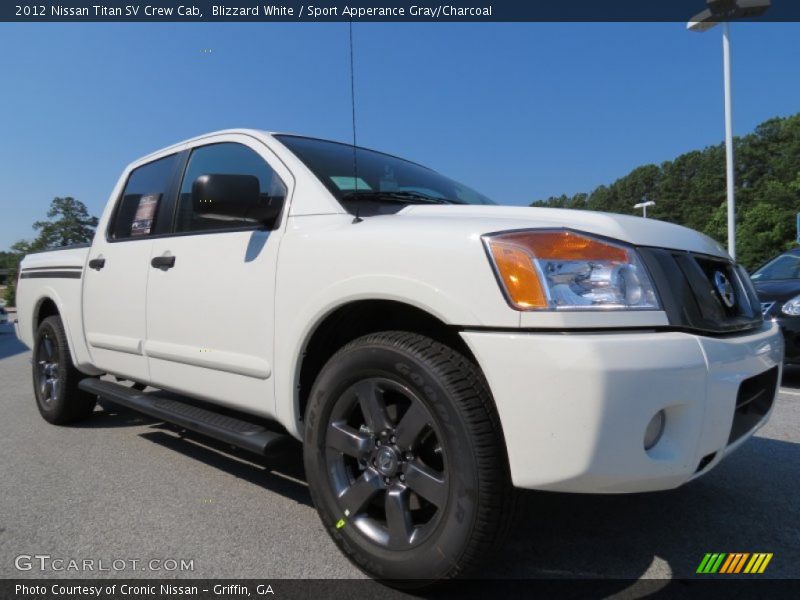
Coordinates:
[737,562]
[734,556]
[703,563]
[740,562]
[754,563]
[717,564]
[758,563]
[727,564]
[734,562]
[711,563]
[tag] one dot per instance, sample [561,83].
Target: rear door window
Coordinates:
[137,209]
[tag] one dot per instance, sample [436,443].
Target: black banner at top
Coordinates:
[398,10]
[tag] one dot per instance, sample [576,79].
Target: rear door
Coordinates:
[115,280]
[210,302]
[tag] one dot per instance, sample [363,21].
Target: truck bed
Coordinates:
[54,276]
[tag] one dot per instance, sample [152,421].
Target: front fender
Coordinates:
[305,320]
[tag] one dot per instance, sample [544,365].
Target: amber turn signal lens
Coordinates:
[565,245]
[519,275]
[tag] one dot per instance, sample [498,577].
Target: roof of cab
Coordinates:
[176,145]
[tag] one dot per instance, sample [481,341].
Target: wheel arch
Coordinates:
[46,307]
[355,319]
[49,305]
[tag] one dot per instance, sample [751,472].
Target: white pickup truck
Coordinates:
[431,349]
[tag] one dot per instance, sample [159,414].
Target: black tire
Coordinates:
[55,378]
[441,468]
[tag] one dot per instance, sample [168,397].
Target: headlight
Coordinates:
[541,269]
[792,307]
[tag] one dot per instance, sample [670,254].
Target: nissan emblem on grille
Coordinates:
[724,289]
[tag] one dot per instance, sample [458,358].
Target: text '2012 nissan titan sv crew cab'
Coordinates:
[431,349]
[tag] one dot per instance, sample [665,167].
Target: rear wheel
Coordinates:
[405,458]
[55,378]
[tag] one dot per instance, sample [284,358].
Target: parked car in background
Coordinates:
[778,287]
[3,316]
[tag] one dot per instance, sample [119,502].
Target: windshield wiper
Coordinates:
[401,197]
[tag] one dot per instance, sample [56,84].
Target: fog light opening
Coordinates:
[655,429]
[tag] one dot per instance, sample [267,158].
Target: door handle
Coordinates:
[97,263]
[163,262]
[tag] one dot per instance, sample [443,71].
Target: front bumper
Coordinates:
[574,407]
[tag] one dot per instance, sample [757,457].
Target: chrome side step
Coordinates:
[243,434]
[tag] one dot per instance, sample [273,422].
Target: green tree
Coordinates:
[691,190]
[70,223]
[10,261]
[764,230]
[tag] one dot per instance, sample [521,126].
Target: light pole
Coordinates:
[724,11]
[643,206]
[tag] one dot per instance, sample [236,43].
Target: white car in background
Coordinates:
[431,349]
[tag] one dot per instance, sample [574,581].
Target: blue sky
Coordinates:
[517,111]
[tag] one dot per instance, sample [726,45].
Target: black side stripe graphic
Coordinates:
[59,268]
[51,274]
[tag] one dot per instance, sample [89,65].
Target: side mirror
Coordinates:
[233,198]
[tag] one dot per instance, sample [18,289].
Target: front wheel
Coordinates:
[405,458]
[55,378]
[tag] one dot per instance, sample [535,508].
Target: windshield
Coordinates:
[375,176]
[785,266]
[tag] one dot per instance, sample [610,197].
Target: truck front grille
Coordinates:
[689,287]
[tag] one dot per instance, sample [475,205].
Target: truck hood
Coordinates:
[633,230]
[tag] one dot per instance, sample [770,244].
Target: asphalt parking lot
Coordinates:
[122,486]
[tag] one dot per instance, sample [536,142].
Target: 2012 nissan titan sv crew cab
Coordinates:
[431,349]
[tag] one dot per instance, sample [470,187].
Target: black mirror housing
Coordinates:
[233,198]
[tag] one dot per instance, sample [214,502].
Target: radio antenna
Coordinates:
[353,107]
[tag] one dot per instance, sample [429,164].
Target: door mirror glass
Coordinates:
[233,198]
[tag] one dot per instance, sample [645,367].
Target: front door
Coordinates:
[210,301]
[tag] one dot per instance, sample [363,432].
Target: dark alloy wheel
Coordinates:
[405,459]
[382,444]
[55,378]
[48,379]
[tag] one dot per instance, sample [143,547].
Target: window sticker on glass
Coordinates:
[145,214]
[347,183]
